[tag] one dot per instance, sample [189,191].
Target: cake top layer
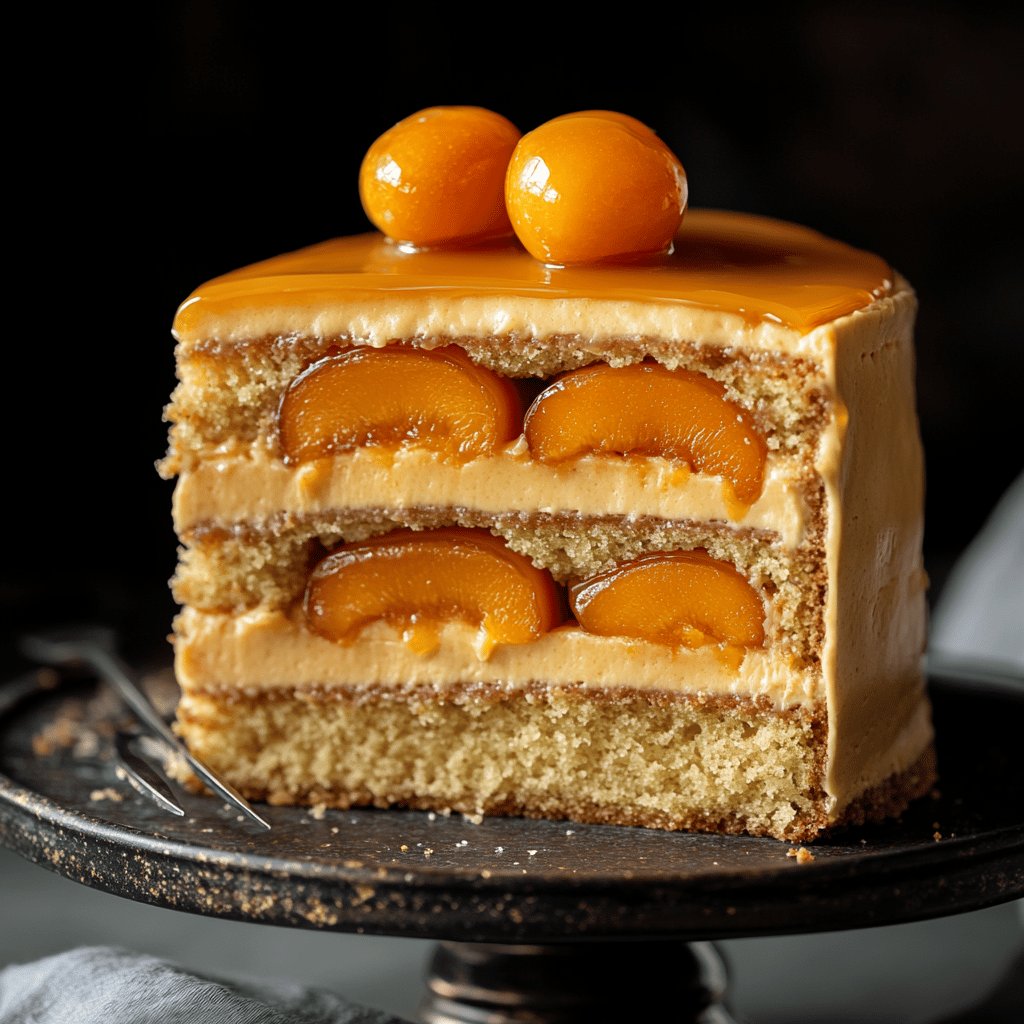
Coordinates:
[762,271]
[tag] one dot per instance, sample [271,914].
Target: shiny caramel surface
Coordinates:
[756,267]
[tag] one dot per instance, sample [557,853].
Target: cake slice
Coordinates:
[624,527]
[626,544]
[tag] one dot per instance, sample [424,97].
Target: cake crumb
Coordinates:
[47,678]
[404,848]
[42,746]
[569,832]
[802,855]
[427,852]
[431,816]
[474,819]
[499,849]
[937,836]
[111,794]
[335,830]
[532,853]
[86,746]
[318,811]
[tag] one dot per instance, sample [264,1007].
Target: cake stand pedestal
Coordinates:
[575,983]
[541,921]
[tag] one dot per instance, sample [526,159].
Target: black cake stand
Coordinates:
[540,921]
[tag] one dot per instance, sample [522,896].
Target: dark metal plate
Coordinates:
[511,880]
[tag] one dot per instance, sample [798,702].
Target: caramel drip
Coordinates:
[758,268]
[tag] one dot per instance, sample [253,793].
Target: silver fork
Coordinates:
[143,777]
[95,646]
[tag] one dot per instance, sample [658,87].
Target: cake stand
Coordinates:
[540,921]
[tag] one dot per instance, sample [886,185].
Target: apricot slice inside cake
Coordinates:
[679,598]
[648,409]
[419,581]
[394,397]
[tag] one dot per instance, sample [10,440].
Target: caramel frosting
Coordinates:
[730,278]
[262,650]
[871,463]
[239,489]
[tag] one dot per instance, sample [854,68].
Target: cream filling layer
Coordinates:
[261,650]
[237,489]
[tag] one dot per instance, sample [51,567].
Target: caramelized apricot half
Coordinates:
[678,598]
[397,397]
[438,176]
[594,186]
[414,579]
[647,409]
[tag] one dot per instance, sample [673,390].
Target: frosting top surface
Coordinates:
[756,267]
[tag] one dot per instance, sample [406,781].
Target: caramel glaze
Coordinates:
[759,268]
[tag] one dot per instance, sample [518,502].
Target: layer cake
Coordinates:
[663,446]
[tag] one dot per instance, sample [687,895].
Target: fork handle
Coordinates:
[111,668]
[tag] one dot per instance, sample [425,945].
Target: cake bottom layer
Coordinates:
[673,761]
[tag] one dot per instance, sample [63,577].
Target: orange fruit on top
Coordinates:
[648,409]
[397,397]
[677,598]
[594,186]
[438,176]
[409,579]
[628,121]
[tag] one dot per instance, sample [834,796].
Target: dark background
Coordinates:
[217,136]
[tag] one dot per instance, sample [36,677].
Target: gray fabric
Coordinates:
[981,612]
[101,985]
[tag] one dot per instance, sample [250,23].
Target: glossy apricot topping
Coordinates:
[394,397]
[438,176]
[415,579]
[633,123]
[594,186]
[678,598]
[647,409]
